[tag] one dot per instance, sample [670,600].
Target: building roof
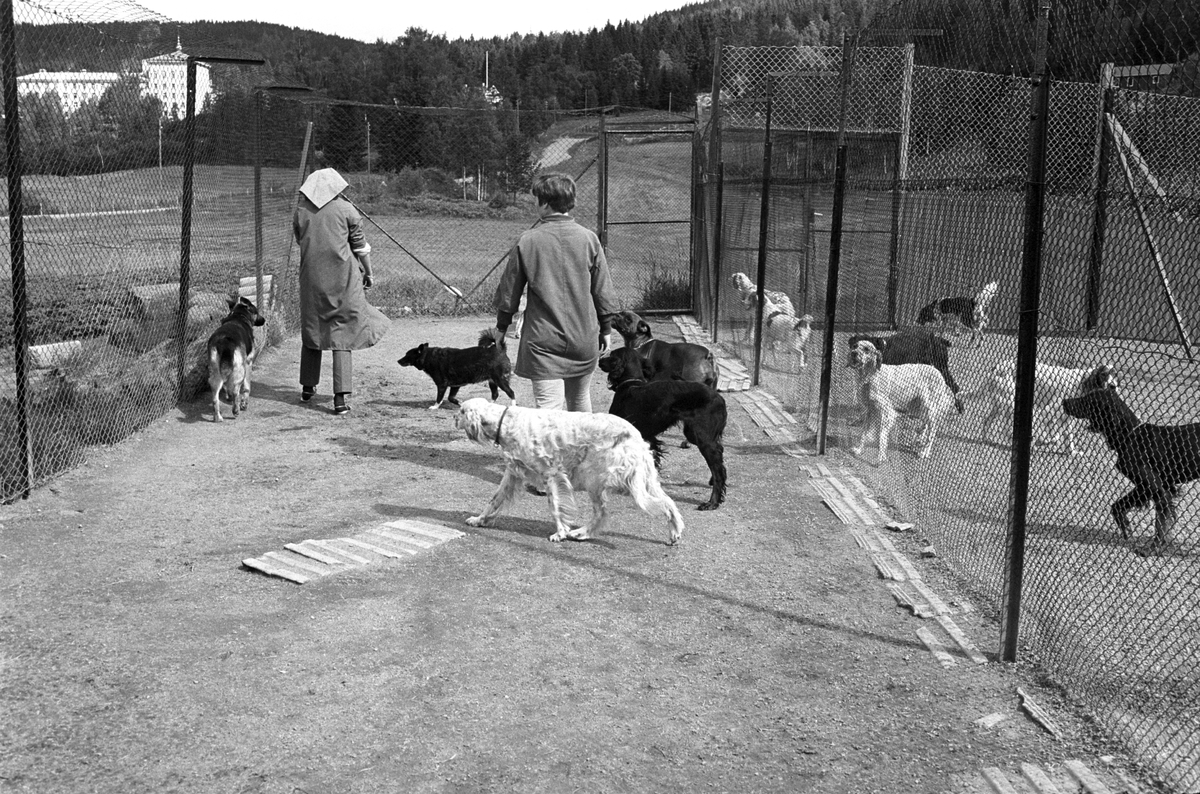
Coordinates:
[42,76]
[1144,70]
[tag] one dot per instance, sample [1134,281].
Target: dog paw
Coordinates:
[580,534]
[435,406]
[558,537]
[708,506]
[477,521]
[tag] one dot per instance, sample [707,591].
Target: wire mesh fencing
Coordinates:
[141,218]
[1083,214]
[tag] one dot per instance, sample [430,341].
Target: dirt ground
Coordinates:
[763,653]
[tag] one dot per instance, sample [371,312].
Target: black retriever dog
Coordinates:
[653,406]
[1157,459]
[916,346]
[452,367]
[668,360]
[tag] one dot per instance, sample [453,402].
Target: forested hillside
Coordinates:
[657,62]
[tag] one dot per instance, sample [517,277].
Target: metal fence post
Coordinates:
[14,172]
[849,49]
[1027,329]
[602,187]
[718,211]
[258,202]
[1100,197]
[763,222]
[185,225]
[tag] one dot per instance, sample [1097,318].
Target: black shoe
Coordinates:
[306,394]
[343,408]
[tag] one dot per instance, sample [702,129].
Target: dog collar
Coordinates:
[500,424]
[638,345]
[627,380]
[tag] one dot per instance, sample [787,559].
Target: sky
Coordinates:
[454,19]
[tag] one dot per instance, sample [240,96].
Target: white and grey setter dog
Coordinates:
[888,390]
[564,450]
[1052,384]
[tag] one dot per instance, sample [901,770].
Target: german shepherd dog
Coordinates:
[231,355]
[653,406]
[1157,459]
[452,368]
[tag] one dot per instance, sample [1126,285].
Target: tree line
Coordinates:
[660,62]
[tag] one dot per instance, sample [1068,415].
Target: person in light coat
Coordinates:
[560,267]
[335,272]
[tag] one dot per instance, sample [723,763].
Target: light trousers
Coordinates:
[571,394]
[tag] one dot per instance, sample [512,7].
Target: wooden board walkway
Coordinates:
[315,559]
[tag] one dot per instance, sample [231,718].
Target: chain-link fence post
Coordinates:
[16,231]
[1027,329]
[849,47]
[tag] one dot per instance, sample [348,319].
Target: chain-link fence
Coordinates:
[140,219]
[1052,152]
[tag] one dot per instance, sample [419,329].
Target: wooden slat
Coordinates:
[412,539]
[296,561]
[960,637]
[1086,777]
[432,530]
[331,546]
[372,548]
[383,539]
[936,647]
[1040,781]
[270,569]
[313,553]
[996,779]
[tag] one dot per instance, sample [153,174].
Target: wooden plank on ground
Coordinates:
[936,647]
[271,569]
[960,637]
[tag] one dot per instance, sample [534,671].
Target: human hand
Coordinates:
[605,343]
[368,282]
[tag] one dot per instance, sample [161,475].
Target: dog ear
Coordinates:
[260,320]
[643,327]
[233,299]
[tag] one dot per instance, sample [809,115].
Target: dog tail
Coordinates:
[648,494]
[985,295]
[491,337]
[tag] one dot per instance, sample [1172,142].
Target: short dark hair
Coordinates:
[555,190]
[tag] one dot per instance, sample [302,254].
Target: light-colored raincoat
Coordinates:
[334,313]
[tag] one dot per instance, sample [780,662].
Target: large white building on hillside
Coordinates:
[163,77]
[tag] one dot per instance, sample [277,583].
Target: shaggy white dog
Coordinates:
[887,390]
[1052,385]
[561,450]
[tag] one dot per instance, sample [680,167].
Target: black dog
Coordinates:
[655,406]
[452,368]
[231,355]
[667,360]
[960,314]
[916,346]
[1157,459]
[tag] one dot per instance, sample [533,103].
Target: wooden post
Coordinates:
[16,243]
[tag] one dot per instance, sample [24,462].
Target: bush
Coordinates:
[665,289]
